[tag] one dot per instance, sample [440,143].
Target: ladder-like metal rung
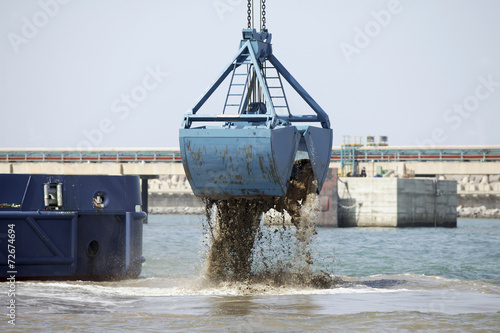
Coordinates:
[280,106]
[274,87]
[240,74]
[235,94]
[232,105]
[272,77]
[238,84]
[277,96]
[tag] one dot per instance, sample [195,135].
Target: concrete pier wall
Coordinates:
[173,195]
[396,202]
[344,202]
[328,200]
[175,203]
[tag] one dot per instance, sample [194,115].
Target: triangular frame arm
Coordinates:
[322,116]
[219,80]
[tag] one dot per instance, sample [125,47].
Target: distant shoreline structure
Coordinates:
[172,195]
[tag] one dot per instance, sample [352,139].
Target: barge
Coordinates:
[70,227]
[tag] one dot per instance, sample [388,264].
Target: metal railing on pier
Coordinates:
[168,155]
[417,154]
[98,156]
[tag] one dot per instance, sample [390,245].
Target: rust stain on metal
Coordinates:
[196,156]
[248,151]
[224,154]
[262,168]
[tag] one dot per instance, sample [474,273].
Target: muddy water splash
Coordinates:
[266,240]
[233,226]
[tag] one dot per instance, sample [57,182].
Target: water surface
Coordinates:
[417,279]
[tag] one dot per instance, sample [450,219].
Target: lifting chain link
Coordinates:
[263,14]
[262,11]
[249,12]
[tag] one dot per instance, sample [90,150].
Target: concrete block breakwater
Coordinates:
[172,195]
[478,196]
[478,212]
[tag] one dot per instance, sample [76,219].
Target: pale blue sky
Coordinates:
[121,73]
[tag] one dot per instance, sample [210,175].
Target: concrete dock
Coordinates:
[397,202]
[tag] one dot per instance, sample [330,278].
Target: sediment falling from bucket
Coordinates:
[233,225]
[266,240]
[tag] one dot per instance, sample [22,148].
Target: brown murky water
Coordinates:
[243,249]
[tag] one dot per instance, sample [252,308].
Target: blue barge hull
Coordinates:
[70,227]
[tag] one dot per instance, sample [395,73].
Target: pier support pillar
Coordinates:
[328,199]
[144,192]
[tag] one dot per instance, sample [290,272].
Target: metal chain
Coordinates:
[263,14]
[249,12]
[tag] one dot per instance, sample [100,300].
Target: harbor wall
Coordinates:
[477,197]
[478,182]
[178,203]
[344,202]
[173,195]
[396,202]
[478,192]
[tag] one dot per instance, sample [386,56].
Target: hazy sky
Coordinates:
[121,73]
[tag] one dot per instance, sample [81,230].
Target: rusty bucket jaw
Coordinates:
[318,142]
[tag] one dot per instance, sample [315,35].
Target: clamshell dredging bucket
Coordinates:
[249,149]
[249,162]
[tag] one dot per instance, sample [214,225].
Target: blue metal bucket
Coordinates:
[238,162]
[249,162]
